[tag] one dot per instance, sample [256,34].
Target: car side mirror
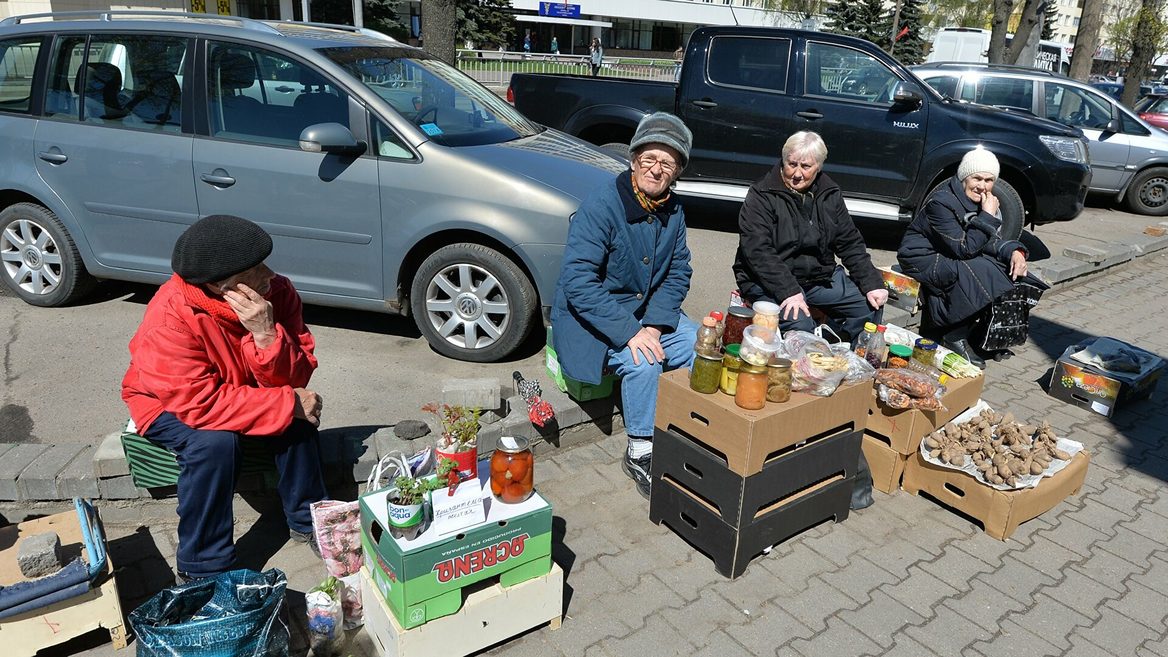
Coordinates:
[907,93]
[330,138]
[1113,126]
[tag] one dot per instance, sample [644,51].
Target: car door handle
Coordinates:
[810,115]
[704,104]
[55,158]
[285,89]
[218,181]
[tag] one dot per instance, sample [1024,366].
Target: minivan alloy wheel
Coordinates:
[38,259]
[467,306]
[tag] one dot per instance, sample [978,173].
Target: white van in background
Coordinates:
[971,44]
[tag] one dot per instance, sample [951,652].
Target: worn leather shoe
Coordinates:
[962,348]
[1002,355]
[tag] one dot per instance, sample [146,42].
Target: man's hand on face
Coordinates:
[254,312]
[646,344]
[308,406]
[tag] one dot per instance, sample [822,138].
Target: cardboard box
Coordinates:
[886,464]
[904,291]
[745,440]
[577,390]
[1000,512]
[423,579]
[1097,390]
[489,615]
[905,429]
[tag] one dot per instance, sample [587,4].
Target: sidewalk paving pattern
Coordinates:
[903,577]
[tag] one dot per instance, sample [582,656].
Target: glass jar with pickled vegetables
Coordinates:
[751,392]
[925,352]
[512,468]
[737,318]
[706,373]
[778,380]
[731,364]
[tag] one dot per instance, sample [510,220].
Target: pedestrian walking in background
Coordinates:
[596,55]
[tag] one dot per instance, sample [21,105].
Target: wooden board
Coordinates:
[48,626]
[488,615]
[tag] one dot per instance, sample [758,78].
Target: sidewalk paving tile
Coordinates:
[984,605]
[769,629]
[1117,633]
[881,618]
[1051,620]
[920,591]
[838,639]
[1015,641]
[947,633]
[1143,604]
[1017,580]
[656,638]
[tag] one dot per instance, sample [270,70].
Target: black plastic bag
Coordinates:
[234,614]
[1007,322]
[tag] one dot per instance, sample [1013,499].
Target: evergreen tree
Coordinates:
[380,15]
[910,48]
[843,17]
[485,23]
[1050,17]
[874,24]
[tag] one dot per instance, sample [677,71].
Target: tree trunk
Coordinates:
[895,28]
[1087,39]
[1144,48]
[438,17]
[1030,12]
[999,26]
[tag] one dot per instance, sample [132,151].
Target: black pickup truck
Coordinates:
[891,138]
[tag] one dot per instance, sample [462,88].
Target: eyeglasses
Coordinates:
[647,162]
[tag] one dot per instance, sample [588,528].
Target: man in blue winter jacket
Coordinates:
[626,271]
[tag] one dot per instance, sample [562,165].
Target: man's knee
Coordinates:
[212,446]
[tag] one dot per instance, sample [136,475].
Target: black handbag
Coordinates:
[1007,322]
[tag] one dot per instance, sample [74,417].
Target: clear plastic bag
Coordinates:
[325,618]
[795,342]
[913,384]
[817,373]
[858,368]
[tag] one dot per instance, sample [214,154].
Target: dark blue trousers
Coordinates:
[842,301]
[210,463]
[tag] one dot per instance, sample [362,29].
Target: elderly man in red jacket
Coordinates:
[223,355]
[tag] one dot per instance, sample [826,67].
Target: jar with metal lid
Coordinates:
[925,352]
[512,468]
[899,356]
[731,364]
[706,373]
[751,392]
[737,318]
[778,380]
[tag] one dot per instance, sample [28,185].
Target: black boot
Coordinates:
[1002,355]
[956,340]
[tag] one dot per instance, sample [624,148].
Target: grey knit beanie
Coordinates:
[218,247]
[663,128]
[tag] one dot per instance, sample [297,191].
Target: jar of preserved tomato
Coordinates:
[751,393]
[731,364]
[511,470]
[737,318]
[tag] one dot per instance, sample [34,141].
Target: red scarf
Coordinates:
[217,307]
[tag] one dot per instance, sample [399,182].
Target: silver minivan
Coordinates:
[389,180]
[1129,157]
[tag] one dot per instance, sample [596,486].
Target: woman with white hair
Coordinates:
[954,247]
[792,227]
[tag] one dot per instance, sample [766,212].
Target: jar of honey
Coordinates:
[511,470]
[751,393]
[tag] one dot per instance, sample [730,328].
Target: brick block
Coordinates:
[78,479]
[14,462]
[120,488]
[1057,269]
[110,460]
[39,480]
[472,393]
[39,555]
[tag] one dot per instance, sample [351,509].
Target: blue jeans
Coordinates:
[639,382]
[842,301]
[210,463]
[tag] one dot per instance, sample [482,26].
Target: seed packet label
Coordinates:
[431,129]
[465,508]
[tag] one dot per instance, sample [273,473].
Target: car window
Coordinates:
[1076,107]
[261,96]
[1158,106]
[17,65]
[844,73]
[759,63]
[128,81]
[389,144]
[1002,92]
[944,84]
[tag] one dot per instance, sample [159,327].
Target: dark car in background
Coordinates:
[1115,89]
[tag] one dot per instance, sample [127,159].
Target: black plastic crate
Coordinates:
[740,501]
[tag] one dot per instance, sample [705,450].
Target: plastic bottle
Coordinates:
[708,344]
[720,318]
[864,339]
[877,351]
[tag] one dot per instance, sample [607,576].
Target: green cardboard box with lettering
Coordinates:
[422,579]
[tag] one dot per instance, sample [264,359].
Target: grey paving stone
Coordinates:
[78,478]
[956,567]
[985,548]
[906,646]
[881,618]
[838,639]
[984,605]
[813,606]
[898,555]
[700,618]
[14,462]
[1014,642]
[720,644]
[1149,524]
[689,579]
[1124,501]
[859,579]
[1051,620]
[1129,545]
[797,567]
[1081,593]
[656,638]
[1017,580]
[920,591]
[839,543]
[1118,634]
[770,628]
[590,581]
[1108,569]
[1074,536]
[1081,647]
[480,393]
[1095,515]
[109,460]
[1058,269]
[120,488]
[645,598]
[947,633]
[1142,604]
[1047,557]
[754,588]
[39,480]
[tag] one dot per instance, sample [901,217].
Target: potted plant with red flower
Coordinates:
[458,438]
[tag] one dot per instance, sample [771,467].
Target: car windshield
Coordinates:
[445,104]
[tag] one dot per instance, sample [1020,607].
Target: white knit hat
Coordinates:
[979,160]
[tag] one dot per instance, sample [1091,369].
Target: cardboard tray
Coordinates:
[886,464]
[746,440]
[1000,512]
[905,429]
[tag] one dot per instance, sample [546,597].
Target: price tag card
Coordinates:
[465,508]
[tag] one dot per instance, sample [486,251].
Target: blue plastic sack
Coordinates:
[234,614]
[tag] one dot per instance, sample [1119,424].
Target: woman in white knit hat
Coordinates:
[954,247]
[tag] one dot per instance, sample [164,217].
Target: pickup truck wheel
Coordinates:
[1148,193]
[38,259]
[472,303]
[1010,205]
[618,149]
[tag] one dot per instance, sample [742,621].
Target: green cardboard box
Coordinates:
[423,579]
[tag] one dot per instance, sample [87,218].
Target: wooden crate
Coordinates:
[489,614]
[97,608]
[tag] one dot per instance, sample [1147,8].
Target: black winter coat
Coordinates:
[957,253]
[779,253]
